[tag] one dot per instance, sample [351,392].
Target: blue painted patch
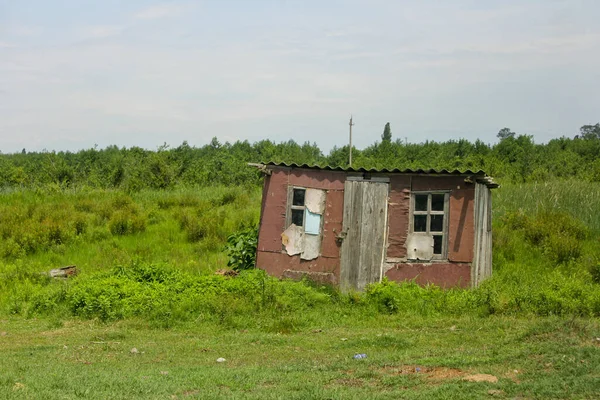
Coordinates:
[312,225]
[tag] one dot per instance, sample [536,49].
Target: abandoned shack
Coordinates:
[351,227]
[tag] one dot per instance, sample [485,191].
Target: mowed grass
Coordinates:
[407,357]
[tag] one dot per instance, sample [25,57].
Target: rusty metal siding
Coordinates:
[326,180]
[445,275]
[466,209]
[428,183]
[398,216]
[277,264]
[272,219]
[461,230]
[273,222]
[332,225]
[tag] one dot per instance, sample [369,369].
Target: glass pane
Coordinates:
[437,244]
[420,223]
[437,223]
[299,197]
[437,202]
[420,202]
[298,217]
[313,223]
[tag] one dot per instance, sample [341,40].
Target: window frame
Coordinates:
[446,213]
[291,206]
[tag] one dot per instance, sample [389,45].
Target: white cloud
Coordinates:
[24,30]
[446,72]
[160,11]
[103,31]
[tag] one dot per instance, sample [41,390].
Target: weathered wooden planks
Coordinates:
[482,261]
[365,224]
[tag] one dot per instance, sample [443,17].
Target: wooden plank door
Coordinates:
[365,227]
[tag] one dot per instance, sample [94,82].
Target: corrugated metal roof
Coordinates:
[480,176]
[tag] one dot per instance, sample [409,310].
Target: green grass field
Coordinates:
[146,281]
[420,358]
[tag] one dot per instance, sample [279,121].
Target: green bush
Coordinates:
[155,292]
[558,234]
[126,223]
[241,249]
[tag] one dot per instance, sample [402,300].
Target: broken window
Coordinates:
[297,207]
[428,226]
[304,222]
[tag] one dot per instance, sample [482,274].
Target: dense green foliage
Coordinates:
[241,249]
[147,246]
[515,158]
[131,208]
[168,244]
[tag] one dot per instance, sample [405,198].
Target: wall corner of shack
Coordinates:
[481,267]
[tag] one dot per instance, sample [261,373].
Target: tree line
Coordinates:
[514,158]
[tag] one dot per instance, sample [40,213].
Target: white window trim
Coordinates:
[291,206]
[445,213]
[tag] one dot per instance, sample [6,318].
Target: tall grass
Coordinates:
[579,199]
[546,258]
[99,229]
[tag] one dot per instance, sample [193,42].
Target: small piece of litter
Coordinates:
[417,369]
[164,372]
[359,356]
[343,339]
[221,359]
[65,347]
[481,378]
[453,328]
[318,331]
[134,351]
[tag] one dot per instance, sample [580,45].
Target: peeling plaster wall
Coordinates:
[271,254]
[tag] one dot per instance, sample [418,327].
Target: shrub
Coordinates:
[241,249]
[125,223]
[195,231]
[595,272]
[558,234]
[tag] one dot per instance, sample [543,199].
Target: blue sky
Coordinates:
[75,73]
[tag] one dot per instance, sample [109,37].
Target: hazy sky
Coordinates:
[74,73]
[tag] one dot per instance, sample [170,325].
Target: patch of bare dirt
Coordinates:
[352,382]
[434,374]
[481,378]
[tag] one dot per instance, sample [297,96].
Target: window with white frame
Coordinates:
[297,207]
[429,220]
[304,222]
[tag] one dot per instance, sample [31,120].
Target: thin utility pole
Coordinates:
[350,160]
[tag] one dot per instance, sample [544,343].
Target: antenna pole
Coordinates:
[350,148]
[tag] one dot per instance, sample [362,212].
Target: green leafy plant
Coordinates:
[241,249]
